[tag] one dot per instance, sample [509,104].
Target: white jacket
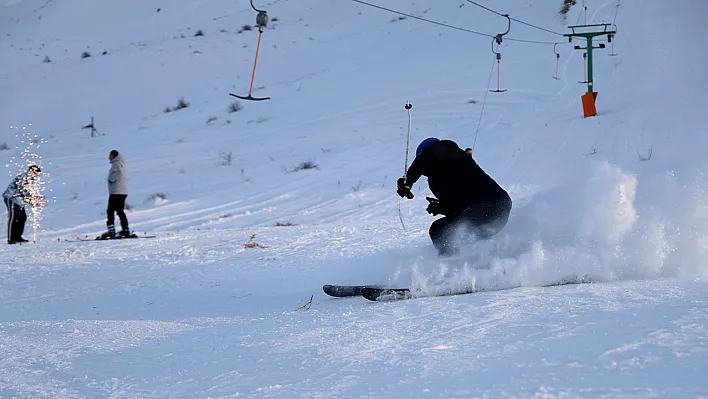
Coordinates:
[118,176]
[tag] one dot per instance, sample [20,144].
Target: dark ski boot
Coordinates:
[108,235]
[125,233]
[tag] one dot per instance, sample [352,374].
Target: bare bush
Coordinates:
[235,106]
[153,197]
[180,105]
[305,166]
[226,158]
[306,306]
[251,244]
[566,7]
[259,120]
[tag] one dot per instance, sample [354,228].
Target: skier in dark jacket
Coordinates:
[21,192]
[470,201]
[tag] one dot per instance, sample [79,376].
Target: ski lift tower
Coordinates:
[589,32]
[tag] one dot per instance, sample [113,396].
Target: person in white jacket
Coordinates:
[117,193]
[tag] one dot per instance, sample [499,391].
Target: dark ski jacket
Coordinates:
[454,178]
[18,190]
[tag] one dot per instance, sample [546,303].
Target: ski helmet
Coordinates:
[425,144]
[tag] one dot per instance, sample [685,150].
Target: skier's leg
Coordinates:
[110,211]
[10,219]
[488,218]
[20,220]
[110,217]
[120,210]
[501,216]
[442,233]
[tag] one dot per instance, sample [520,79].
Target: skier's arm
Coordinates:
[113,174]
[417,169]
[22,190]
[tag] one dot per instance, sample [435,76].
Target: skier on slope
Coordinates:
[117,193]
[22,191]
[470,201]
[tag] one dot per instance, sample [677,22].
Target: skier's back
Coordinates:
[466,195]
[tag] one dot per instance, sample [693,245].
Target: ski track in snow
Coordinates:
[323,352]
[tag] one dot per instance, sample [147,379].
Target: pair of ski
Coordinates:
[79,239]
[370,292]
[380,293]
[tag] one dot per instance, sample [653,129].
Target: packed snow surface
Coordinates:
[254,210]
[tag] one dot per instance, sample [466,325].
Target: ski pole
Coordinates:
[405,169]
[408,141]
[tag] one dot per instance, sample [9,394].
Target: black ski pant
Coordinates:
[116,204]
[16,218]
[478,222]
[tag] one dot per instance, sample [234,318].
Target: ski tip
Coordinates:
[341,291]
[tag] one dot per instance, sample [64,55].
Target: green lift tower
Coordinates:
[589,32]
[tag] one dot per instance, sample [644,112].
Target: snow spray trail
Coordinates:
[603,223]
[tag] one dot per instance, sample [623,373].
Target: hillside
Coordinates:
[619,197]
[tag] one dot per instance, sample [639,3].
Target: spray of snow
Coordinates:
[603,224]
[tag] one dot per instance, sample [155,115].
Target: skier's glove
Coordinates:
[434,207]
[403,190]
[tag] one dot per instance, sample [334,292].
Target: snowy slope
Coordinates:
[193,313]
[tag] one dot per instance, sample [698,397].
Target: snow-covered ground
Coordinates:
[193,313]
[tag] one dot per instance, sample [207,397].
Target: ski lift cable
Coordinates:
[537,27]
[423,19]
[254,7]
[617,7]
[580,14]
[481,112]
[515,19]
[451,26]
